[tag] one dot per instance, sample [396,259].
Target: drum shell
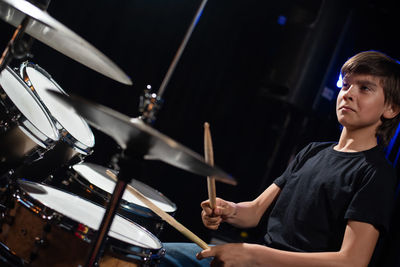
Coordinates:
[54,161]
[75,183]
[14,144]
[20,140]
[16,147]
[44,237]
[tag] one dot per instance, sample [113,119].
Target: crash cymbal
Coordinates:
[133,133]
[54,34]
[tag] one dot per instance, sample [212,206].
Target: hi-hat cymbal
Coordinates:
[133,133]
[54,34]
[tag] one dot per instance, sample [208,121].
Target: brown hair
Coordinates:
[380,65]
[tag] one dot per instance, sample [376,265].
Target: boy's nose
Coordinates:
[349,93]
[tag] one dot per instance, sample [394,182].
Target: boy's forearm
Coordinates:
[249,213]
[244,215]
[357,248]
[270,257]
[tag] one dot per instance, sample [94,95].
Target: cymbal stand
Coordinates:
[17,47]
[130,166]
[109,215]
[150,103]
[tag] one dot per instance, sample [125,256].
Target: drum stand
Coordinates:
[98,246]
[17,47]
[130,166]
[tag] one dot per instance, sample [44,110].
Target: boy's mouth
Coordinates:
[346,108]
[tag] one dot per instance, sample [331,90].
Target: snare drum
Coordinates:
[27,130]
[77,139]
[51,227]
[91,181]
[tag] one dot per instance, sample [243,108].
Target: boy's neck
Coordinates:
[356,140]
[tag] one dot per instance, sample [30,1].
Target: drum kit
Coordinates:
[55,208]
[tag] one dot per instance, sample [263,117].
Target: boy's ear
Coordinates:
[391,112]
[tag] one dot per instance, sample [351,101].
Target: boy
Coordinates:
[335,199]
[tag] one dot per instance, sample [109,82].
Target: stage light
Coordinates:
[339,83]
[282,20]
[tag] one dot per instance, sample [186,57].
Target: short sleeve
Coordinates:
[373,202]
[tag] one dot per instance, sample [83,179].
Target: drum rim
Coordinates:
[134,253]
[55,217]
[123,201]
[64,133]
[40,138]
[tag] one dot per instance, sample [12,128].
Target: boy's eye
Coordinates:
[344,85]
[364,88]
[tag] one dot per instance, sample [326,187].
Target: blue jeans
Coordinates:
[182,255]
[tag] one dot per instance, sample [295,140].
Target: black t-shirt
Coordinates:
[322,189]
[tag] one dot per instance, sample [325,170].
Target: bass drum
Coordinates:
[27,130]
[91,181]
[44,226]
[77,139]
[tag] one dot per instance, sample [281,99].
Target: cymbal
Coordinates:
[54,34]
[133,133]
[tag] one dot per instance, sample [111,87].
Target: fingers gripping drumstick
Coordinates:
[165,216]
[209,157]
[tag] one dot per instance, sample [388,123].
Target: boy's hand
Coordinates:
[212,218]
[228,255]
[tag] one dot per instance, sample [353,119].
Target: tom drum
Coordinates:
[76,138]
[92,182]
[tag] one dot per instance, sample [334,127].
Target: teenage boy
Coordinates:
[334,200]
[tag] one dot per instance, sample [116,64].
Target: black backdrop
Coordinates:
[226,76]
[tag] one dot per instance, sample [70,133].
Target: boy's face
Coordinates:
[361,102]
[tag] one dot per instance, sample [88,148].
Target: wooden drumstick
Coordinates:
[165,216]
[209,157]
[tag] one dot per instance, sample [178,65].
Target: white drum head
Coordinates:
[27,103]
[97,176]
[68,119]
[91,215]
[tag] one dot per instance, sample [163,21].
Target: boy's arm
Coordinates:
[358,245]
[243,214]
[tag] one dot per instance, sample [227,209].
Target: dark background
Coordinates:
[262,73]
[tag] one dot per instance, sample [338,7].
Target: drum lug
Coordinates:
[16,118]
[40,242]
[4,126]
[7,204]
[34,156]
